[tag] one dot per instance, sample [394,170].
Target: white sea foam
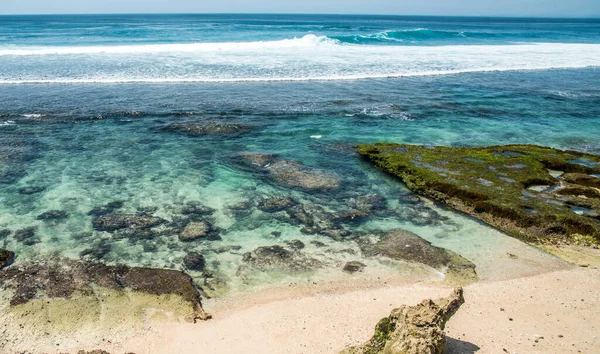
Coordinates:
[301,59]
[309,40]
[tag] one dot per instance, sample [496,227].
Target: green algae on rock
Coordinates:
[413,329]
[539,194]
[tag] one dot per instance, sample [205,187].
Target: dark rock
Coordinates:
[5,233]
[299,214]
[209,128]
[53,215]
[194,261]
[275,257]
[353,267]
[197,209]
[106,209]
[351,217]
[369,202]
[97,251]
[413,329]
[125,221]
[405,245]
[6,258]
[27,236]
[273,205]
[295,244]
[62,278]
[336,234]
[317,243]
[242,208]
[276,234]
[31,190]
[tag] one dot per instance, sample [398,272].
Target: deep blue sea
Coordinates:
[101,109]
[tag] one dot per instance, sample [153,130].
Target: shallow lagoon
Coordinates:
[89,145]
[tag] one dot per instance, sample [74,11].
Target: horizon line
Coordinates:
[303,14]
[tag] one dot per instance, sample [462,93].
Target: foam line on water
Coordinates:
[309,40]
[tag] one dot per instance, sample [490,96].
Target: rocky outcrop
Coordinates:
[413,329]
[63,278]
[404,245]
[115,222]
[539,194]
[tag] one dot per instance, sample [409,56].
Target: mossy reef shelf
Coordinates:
[539,194]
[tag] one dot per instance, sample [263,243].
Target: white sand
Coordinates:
[564,303]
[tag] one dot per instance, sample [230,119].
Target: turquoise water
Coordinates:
[87,107]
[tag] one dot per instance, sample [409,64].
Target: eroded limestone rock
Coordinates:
[413,329]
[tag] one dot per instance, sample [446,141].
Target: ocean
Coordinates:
[156,115]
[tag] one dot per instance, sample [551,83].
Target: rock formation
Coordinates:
[413,329]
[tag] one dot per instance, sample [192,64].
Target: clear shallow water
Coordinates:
[87,143]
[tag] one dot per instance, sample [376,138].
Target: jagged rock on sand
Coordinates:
[413,329]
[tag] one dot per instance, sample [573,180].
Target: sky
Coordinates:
[529,8]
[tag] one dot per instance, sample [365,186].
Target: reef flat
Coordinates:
[538,194]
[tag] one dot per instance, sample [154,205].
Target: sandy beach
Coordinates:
[555,312]
[562,307]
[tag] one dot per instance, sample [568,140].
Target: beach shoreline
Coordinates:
[561,306]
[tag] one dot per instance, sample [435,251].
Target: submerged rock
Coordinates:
[209,128]
[199,230]
[4,233]
[532,192]
[273,205]
[369,202]
[194,230]
[31,190]
[126,221]
[63,278]
[52,215]
[295,244]
[6,258]
[194,261]
[290,173]
[197,209]
[106,209]
[353,267]
[269,258]
[27,236]
[413,329]
[404,245]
